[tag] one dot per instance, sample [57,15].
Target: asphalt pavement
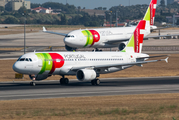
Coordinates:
[120,86]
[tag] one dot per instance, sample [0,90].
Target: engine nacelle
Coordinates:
[68,48]
[122,46]
[86,75]
[38,77]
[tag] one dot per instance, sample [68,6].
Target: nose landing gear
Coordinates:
[33,80]
[32,83]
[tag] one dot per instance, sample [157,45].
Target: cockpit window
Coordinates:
[26,59]
[22,59]
[72,36]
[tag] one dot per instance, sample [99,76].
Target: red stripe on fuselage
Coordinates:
[56,63]
[96,36]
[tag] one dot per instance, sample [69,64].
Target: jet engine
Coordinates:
[68,48]
[38,77]
[122,46]
[86,75]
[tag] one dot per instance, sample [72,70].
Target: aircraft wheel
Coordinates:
[97,82]
[32,83]
[92,82]
[66,81]
[61,81]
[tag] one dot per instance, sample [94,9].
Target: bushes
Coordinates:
[11,20]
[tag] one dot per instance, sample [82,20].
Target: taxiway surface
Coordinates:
[122,86]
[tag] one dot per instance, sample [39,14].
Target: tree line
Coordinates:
[71,15]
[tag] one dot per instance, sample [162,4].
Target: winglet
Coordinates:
[44,29]
[166,60]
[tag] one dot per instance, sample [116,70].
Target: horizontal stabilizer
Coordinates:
[153,56]
[166,60]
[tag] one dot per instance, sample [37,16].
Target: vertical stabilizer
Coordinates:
[136,40]
[150,14]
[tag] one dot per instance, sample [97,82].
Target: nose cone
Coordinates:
[74,42]
[17,67]
[70,42]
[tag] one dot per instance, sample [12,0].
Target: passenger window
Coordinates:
[58,60]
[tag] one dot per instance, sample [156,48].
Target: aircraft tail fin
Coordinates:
[136,41]
[150,14]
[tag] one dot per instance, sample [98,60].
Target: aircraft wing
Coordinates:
[118,65]
[51,32]
[114,42]
[161,36]
[160,28]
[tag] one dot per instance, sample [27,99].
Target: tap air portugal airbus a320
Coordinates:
[105,37]
[87,66]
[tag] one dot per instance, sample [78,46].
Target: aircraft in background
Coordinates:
[87,66]
[104,37]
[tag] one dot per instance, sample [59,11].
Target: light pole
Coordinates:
[110,18]
[24,32]
[116,18]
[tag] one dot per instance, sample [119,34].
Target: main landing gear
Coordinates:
[95,82]
[64,81]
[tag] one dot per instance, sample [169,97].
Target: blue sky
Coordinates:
[91,4]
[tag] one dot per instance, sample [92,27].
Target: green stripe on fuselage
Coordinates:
[89,37]
[46,62]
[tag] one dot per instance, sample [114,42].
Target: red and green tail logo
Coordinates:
[150,14]
[136,41]
[92,36]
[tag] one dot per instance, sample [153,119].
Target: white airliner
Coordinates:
[87,66]
[104,37]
